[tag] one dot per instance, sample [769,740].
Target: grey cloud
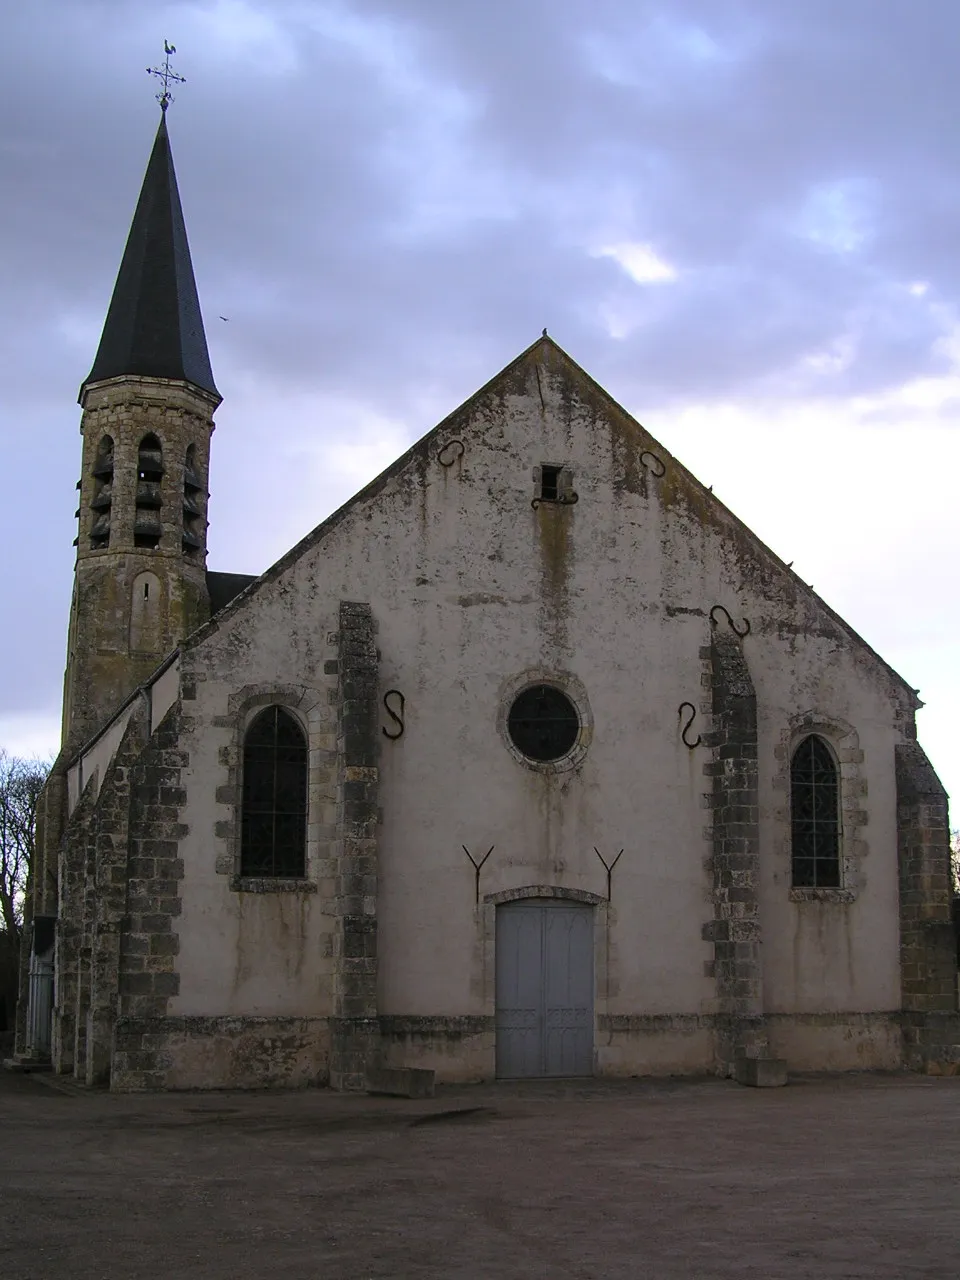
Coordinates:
[298,186]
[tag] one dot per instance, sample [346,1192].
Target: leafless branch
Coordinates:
[21,782]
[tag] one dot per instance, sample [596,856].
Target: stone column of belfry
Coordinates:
[139,593]
[735,929]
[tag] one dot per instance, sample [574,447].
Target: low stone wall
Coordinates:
[837,1041]
[461,1050]
[258,1053]
[655,1044]
[219,1053]
[684,1044]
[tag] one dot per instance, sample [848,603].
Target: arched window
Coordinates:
[815,816]
[146,522]
[192,506]
[274,819]
[102,494]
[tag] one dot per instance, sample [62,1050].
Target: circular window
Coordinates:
[543,723]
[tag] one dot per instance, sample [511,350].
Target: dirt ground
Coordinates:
[855,1176]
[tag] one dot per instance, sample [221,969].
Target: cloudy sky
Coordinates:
[741,216]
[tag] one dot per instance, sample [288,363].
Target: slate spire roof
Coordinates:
[154,327]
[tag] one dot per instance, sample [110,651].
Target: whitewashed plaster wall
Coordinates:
[473,589]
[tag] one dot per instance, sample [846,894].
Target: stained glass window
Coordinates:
[815,816]
[274,823]
[543,723]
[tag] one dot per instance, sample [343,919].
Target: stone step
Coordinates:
[760,1073]
[27,1064]
[401,1082]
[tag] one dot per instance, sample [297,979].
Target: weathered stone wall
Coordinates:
[118,898]
[249,1052]
[476,590]
[354,1028]
[106,897]
[460,1050]
[72,945]
[928,948]
[837,1041]
[735,929]
[273,950]
[658,1044]
[158,1045]
[148,942]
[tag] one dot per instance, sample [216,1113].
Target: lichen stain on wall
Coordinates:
[554,533]
[418,483]
[626,445]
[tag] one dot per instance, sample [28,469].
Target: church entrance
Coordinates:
[544,989]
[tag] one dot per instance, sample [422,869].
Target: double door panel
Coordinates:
[544,988]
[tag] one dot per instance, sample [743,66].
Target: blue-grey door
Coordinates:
[544,988]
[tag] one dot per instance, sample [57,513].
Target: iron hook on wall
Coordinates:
[454,448]
[608,867]
[683,728]
[653,464]
[737,631]
[477,866]
[395,716]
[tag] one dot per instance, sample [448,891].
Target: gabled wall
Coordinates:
[475,590]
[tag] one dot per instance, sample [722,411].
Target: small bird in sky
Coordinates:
[227,318]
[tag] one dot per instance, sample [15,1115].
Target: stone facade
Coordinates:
[398,635]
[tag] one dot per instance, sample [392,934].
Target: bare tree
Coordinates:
[21,782]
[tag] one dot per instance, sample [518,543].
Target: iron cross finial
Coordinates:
[166,76]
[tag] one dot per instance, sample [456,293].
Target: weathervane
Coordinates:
[166,76]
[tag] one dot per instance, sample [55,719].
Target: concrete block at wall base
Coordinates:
[761,1073]
[407,1082]
[934,1067]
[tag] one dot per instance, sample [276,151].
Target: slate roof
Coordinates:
[154,327]
[224,587]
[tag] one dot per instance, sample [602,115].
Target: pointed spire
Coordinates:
[154,327]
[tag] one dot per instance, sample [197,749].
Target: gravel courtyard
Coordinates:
[855,1176]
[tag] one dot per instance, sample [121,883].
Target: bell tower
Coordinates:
[148,403]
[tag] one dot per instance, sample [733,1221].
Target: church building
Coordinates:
[530,761]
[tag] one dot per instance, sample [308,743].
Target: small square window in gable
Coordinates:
[553,484]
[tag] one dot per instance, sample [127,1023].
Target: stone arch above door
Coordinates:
[544,891]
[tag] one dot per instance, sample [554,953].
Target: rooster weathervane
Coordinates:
[166,76]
